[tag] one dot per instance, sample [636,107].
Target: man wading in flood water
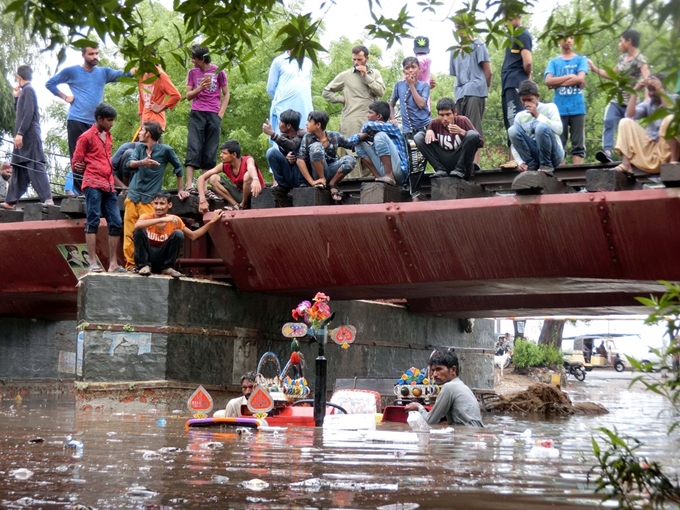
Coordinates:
[455,401]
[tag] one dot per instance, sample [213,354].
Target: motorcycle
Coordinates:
[575,368]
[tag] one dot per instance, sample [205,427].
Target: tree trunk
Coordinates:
[551,333]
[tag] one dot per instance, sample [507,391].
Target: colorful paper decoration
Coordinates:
[294,329]
[344,335]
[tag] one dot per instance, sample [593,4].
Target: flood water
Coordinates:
[132,461]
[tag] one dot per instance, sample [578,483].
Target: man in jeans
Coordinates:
[282,158]
[535,134]
[318,157]
[92,158]
[381,146]
[86,82]
[450,142]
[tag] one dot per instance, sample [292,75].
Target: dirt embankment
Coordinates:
[526,392]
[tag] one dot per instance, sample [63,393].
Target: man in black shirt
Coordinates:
[516,68]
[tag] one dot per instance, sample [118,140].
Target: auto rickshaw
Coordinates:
[597,351]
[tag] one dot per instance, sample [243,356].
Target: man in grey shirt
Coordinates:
[455,400]
[473,79]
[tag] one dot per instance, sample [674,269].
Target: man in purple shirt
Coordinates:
[208,92]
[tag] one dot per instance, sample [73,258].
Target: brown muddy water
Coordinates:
[132,461]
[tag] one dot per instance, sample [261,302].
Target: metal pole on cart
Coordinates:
[321,375]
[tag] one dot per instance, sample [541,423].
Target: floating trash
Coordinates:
[161,422]
[243,431]
[316,484]
[253,499]
[254,485]
[36,440]
[212,445]
[61,469]
[21,473]
[151,455]
[540,452]
[170,449]
[524,435]
[221,479]
[73,443]
[137,491]
[399,506]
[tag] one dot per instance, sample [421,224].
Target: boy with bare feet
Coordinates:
[159,236]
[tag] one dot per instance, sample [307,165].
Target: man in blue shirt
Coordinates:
[86,82]
[381,146]
[413,96]
[567,75]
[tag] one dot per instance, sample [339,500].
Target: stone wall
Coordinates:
[139,329]
[37,349]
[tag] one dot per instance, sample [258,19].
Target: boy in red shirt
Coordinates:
[92,158]
[243,178]
[159,236]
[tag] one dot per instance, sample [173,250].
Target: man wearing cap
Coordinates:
[204,88]
[473,79]
[421,49]
[355,89]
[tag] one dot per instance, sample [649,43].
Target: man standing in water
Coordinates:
[455,401]
[233,409]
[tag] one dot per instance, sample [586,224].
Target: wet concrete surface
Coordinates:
[148,460]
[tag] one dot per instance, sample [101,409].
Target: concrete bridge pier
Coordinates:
[134,329]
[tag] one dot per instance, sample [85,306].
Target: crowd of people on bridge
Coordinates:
[370,142]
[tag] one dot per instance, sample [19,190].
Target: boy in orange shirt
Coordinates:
[159,236]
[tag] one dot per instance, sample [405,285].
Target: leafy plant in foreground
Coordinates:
[621,474]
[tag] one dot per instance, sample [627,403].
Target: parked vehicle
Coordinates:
[576,369]
[598,351]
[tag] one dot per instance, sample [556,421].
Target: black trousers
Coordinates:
[459,160]
[74,129]
[158,257]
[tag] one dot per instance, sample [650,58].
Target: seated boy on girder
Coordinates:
[159,236]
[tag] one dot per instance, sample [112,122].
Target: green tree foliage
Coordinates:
[527,354]
[15,49]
